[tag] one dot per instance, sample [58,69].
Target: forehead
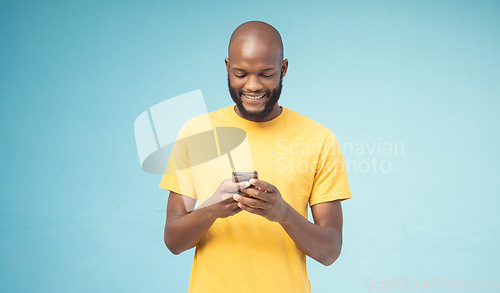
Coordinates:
[253,54]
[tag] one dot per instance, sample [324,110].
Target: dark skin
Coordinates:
[254,66]
[183,229]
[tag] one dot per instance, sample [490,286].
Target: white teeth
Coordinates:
[253,98]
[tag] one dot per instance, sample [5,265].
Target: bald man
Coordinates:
[253,236]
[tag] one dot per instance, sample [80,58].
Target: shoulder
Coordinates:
[203,122]
[299,118]
[308,124]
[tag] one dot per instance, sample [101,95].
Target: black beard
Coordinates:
[274,96]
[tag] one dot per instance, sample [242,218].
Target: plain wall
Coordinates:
[79,215]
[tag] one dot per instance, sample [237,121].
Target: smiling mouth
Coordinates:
[254,98]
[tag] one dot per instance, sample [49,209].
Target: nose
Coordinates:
[253,84]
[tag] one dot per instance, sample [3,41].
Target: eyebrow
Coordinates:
[266,69]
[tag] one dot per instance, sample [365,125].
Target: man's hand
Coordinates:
[267,201]
[221,204]
[321,241]
[185,227]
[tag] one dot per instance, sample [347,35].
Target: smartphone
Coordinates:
[240,176]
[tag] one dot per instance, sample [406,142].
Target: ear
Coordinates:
[226,60]
[284,67]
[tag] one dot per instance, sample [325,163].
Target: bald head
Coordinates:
[255,69]
[256,37]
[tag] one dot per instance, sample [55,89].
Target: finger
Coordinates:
[250,209]
[256,203]
[227,200]
[255,193]
[233,187]
[262,185]
[242,185]
[233,205]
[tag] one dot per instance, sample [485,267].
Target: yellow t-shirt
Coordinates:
[246,252]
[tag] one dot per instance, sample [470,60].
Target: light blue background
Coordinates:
[79,214]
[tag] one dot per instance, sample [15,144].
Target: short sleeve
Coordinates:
[177,176]
[330,181]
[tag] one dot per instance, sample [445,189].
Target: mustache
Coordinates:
[273,96]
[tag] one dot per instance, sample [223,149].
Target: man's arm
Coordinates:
[321,241]
[183,229]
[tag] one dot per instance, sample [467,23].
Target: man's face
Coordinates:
[255,75]
[239,97]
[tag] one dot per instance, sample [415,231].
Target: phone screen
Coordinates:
[240,176]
